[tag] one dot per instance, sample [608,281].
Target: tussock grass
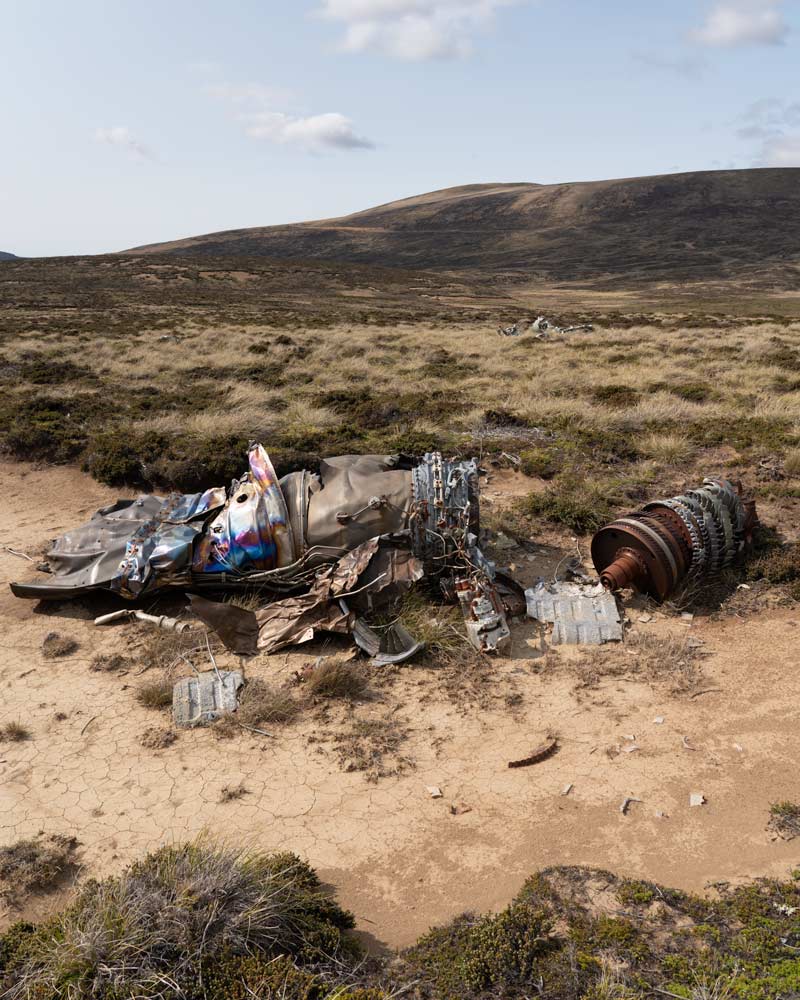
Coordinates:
[34,865]
[335,678]
[156,693]
[669,449]
[791,463]
[171,925]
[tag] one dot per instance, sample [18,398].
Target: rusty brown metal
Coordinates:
[654,549]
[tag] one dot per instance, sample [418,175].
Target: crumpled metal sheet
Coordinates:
[237,627]
[580,614]
[197,701]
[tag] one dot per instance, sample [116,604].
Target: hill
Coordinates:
[673,227]
[8,256]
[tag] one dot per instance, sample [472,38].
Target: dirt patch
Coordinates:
[400,859]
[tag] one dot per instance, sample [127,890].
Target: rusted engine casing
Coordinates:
[659,546]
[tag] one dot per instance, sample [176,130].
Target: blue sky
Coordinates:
[125,123]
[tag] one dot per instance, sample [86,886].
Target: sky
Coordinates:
[125,122]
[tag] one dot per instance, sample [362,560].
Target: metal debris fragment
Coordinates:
[364,529]
[197,701]
[697,799]
[585,614]
[160,621]
[667,541]
[539,754]
[434,791]
[626,804]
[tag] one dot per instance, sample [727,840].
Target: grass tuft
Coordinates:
[34,865]
[334,678]
[55,646]
[669,449]
[15,732]
[156,693]
[784,819]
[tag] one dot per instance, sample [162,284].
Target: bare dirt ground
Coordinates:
[400,859]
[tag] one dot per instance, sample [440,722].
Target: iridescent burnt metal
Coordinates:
[252,531]
[656,548]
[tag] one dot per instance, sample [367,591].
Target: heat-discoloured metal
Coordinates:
[656,548]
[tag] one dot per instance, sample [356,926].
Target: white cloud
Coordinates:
[773,123]
[412,29]
[121,137]
[313,133]
[254,107]
[743,22]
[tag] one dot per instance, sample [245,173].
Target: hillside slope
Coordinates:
[671,227]
[7,256]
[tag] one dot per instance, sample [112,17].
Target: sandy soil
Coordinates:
[398,858]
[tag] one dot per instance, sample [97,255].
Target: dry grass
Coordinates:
[156,693]
[373,746]
[669,449]
[791,463]
[669,662]
[15,732]
[261,705]
[177,916]
[154,738]
[55,646]
[230,793]
[335,678]
[113,663]
[784,819]
[35,865]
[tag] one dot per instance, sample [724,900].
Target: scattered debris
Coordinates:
[626,804]
[685,743]
[199,700]
[659,720]
[658,547]
[539,328]
[567,789]
[344,542]
[539,754]
[630,748]
[160,621]
[460,809]
[433,791]
[579,613]
[697,799]
[660,814]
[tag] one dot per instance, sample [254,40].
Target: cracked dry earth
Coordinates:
[400,859]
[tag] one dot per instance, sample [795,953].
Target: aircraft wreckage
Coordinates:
[327,550]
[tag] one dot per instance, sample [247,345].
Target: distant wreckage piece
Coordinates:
[658,547]
[324,549]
